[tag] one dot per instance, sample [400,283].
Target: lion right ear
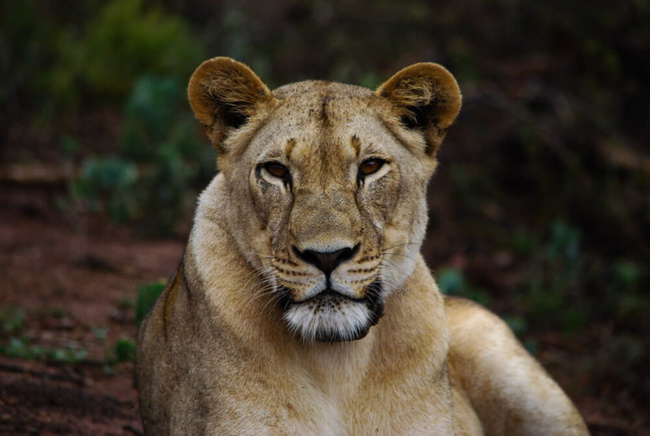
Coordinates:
[223,94]
[427,99]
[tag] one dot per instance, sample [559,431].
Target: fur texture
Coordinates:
[302,304]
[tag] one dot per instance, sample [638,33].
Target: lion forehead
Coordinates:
[310,90]
[326,104]
[322,122]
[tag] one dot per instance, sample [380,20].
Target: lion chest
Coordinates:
[306,406]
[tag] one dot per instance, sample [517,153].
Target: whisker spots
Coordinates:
[361,270]
[369,258]
[361,281]
[291,272]
[293,282]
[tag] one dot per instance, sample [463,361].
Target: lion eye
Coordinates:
[276,169]
[370,166]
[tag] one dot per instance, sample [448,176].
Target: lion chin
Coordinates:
[331,316]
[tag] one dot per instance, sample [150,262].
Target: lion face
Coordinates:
[329,184]
[326,190]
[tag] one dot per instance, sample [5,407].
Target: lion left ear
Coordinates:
[224,93]
[427,98]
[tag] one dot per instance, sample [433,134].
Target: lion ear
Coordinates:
[427,98]
[223,94]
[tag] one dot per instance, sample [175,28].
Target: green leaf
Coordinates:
[451,281]
[147,295]
[124,350]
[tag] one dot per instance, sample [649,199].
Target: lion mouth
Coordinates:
[330,293]
[331,316]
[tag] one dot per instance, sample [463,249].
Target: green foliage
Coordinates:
[21,347]
[532,345]
[518,324]
[122,39]
[99,332]
[107,185]
[147,294]
[126,39]
[153,105]
[624,295]
[56,312]
[126,303]
[124,350]
[560,277]
[161,157]
[12,320]
[555,279]
[452,282]
[161,160]
[626,275]
[28,41]
[52,58]
[157,121]
[563,249]
[160,131]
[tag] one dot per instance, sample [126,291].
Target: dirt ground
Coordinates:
[72,279]
[69,283]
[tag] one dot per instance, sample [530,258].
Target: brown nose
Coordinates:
[327,261]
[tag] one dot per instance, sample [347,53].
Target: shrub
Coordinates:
[106,185]
[162,160]
[124,350]
[452,282]
[126,39]
[147,295]
[21,347]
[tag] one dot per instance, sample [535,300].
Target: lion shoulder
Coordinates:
[508,389]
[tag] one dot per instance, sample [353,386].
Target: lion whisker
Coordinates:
[401,245]
[390,263]
[398,254]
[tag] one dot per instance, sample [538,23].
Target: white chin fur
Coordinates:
[329,319]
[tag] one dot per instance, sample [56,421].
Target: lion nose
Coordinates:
[329,260]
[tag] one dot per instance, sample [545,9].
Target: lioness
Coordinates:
[302,305]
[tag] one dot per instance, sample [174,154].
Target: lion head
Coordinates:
[328,183]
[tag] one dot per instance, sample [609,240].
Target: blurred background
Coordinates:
[540,209]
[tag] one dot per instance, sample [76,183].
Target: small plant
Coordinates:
[452,282]
[147,295]
[107,185]
[124,350]
[126,303]
[57,312]
[160,132]
[161,160]
[517,323]
[125,38]
[100,333]
[556,270]
[12,320]
[21,347]
[623,293]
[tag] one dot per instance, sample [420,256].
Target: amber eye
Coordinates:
[370,166]
[276,170]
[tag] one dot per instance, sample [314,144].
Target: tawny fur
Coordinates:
[220,355]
